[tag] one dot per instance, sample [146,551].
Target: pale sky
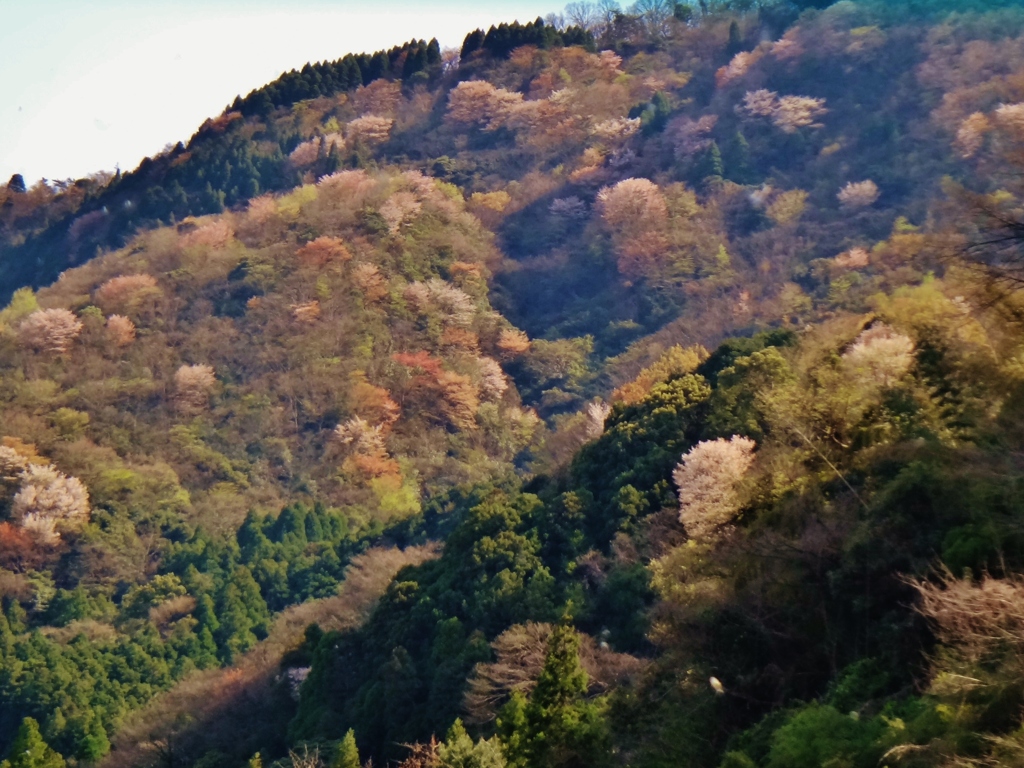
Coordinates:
[89,84]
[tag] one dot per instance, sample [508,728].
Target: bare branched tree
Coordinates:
[991,238]
[976,618]
[585,15]
[520,652]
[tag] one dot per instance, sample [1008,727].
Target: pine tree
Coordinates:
[513,731]
[206,615]
[735,44]
[94,743]
[252,599]
[235,635]
[379,65]
[474,42]
[347,755]
[558,727]
[16,617]
[30,751]
[710,165]
[206,653]
[433,52]
[460,751]
[6,641]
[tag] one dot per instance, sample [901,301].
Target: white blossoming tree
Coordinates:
[707,479]
[50,330]
[49,500]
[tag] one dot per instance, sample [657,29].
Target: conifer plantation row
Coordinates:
[631,387]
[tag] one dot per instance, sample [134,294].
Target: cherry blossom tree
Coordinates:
[126,293]
[48,500]
[636,212]
[858,194]
[706,479]
[192,386]
[880,356]
[120,330]
[370,130]
[50,330]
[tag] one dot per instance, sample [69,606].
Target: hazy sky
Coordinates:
[88,84]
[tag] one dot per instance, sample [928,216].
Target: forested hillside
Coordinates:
[633,388]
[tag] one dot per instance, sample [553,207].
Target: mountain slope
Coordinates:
[491,307]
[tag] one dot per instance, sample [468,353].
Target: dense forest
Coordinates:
[629,387]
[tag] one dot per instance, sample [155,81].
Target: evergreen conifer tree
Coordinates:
[94,744]
[558,727]
[735,44]
[30,751]
[709,165]
[460,751]
[347,755]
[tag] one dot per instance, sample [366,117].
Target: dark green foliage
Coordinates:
[738,407]
[618,609]
[819,734]
[400,677]
[709,167]
[682,12]
[79,690]
[330,77]
[735,44]
[77,604]
[298,555]
[732,349]
[557,727]
[501,40]
[624,475]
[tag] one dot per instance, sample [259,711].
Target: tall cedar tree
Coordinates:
[557,727]
[30,751]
